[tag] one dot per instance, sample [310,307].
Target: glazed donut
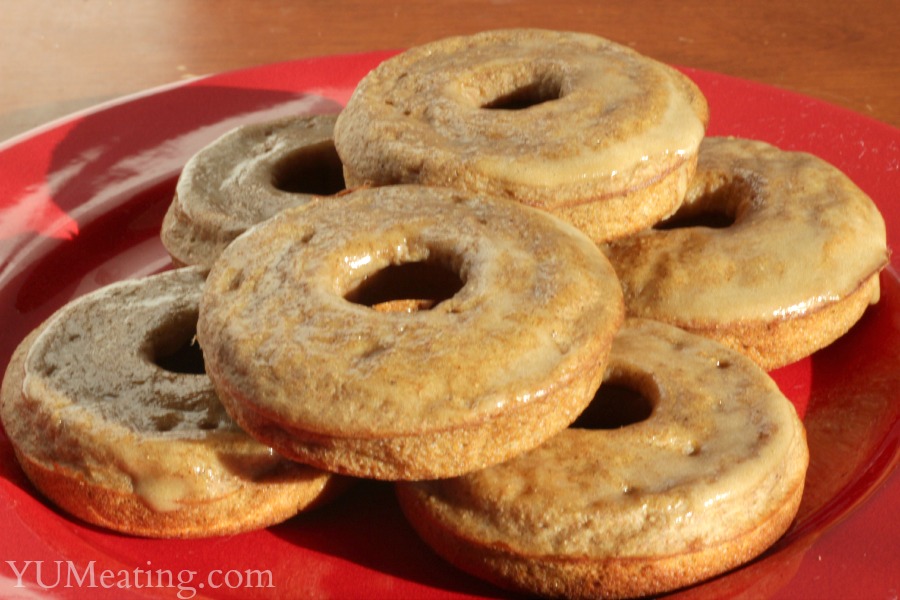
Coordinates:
[705,473]
[775,254]
[244,177]
[112,429]
[523,311]
[568,122]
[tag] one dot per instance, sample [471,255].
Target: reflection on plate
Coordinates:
[81,202]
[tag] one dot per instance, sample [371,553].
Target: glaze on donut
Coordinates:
[114,431]
[245,177]
[567,122]
[775,254]
[709,479]
[509,353]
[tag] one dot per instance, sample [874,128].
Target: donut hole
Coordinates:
[187,359]
[407,287]
[521,92]
[708,219]
[209,423]
[615,405]
[174,347]
[167,421]
[314,169]
[715,208]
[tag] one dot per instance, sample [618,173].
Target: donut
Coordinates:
[571,123]
[688,462]
[523,308]
[774,253]
[244,177]
[112,419]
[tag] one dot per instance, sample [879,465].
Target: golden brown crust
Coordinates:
[259,504]
[244,177]
[708,481]
[499,365]
[790,267]
[109,448]
[634,210]
[427,454]
[778,342]
[573,578]
[602,131]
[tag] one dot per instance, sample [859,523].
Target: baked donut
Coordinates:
[702,469]
[567,122]
[774,253]
[523,311]
[112,427]
[246,176]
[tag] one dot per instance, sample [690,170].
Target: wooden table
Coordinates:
[60,56]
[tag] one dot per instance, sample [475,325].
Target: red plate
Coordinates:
[81,201]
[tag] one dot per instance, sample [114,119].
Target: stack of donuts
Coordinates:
[513,276]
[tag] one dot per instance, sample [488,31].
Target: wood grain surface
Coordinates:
[58,56]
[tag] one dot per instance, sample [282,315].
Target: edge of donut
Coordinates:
[605,217]
[585,577]
[430,454]
[255,506]
[635,209]
[186,243]
[778,342]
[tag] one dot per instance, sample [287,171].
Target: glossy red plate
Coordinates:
[81,201]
